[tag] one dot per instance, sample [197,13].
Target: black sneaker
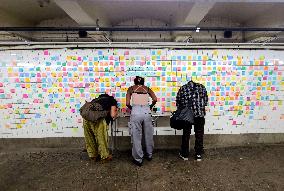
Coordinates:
[137,163]
[182,157]
[198,157]
[148,158]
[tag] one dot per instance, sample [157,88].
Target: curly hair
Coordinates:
[139,80]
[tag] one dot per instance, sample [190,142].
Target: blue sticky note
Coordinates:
[230,57]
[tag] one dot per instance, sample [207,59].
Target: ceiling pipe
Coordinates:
[138,29]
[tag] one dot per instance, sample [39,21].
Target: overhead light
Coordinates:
[263,39]
[197,29]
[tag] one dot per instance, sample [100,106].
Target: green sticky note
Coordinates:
[53,125]
[75,130]
[46,105]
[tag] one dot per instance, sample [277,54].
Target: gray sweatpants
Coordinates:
[141,122]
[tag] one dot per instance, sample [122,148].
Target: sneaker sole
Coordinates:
[186,159]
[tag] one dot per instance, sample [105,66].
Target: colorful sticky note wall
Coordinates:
[46,88]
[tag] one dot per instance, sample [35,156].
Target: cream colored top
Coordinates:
[140,98]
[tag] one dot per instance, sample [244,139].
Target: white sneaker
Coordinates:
[198,158]
[182,157]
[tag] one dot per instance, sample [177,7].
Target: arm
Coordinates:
[178,98]
[113,112]
[205,95]
[128,98]
[153,97]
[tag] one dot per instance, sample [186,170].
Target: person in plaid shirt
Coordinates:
[195,96]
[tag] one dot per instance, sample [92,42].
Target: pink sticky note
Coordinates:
[12,90]
[67,95]
[25,96]
[9,105]
[73,110]
[79,58]
[17,80]
[45,52]
[234,123]
[1,84]
[212,103]
[1,91]
[35,100]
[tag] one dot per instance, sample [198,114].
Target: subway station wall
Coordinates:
[41,91]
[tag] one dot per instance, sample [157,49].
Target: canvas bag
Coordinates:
[92,111]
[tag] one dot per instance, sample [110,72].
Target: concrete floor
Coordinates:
[257,167]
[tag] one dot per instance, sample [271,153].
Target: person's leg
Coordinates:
[185,139]
[101,135]
[135,128]
[199,123]
[148,134]
[91,145]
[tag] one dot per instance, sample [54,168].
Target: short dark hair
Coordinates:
[139,80]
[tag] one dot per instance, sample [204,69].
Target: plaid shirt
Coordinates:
[194,95]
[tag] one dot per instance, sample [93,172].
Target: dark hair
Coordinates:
[139,80]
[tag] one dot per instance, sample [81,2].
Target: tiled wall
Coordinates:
[41,91]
